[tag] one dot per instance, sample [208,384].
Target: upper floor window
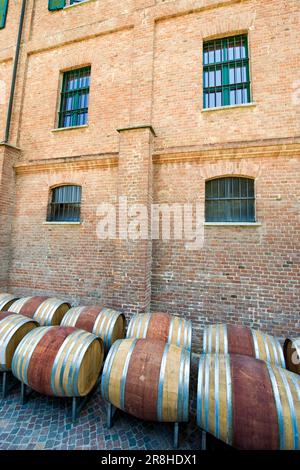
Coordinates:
[59,4]
[226,77]
[74,102]
[65,204]
[3,12]
[230,199]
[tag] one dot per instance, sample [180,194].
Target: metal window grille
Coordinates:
[226,76]
[230,200]
[75,98]
[65,204]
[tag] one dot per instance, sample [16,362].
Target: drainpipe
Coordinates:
[14,75]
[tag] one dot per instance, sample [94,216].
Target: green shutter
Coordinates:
[3,12]
[56,4]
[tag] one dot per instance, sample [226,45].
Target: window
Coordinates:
[226,78]
[72,2]
[59,4]
[75,98]
[65,204]
[3,12]
[230,200]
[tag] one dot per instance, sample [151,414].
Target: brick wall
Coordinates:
[64,260]
[242,274]
[8,157]
[146,70]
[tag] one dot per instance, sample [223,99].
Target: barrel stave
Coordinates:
[6,300]
[46,311]
[248,403]
[13,328]
[292,355]
[233,339]
[106,323]
[148,379]
[161,326]
[59,361]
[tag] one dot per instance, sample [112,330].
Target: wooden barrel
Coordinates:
[292,354]
[13,328]
[248,403]
[104,322]
[59,361]
[148,379]
[6,300]
[46,311]
[232,339]
[163,327]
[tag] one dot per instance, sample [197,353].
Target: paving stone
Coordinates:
[45,423]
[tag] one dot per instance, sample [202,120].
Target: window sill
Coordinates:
[62,129]
[232,224]
[62,223]
[225,108]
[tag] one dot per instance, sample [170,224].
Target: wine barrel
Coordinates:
[248,403]
[104,322]
[148,379]
[292,354]
[6,300]
[13,328]
[46,311]
[59,361]
[232,339]
[163,327]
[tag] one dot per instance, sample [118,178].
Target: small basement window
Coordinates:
[230,199]
[65,204]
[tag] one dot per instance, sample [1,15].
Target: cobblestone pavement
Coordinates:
[45,423]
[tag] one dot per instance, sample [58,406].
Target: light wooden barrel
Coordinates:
[163,327]
[232,339]
[6,300]
[248,403]
[46,311]
[13,328]
[148,379]
[292,354]
[59,361]
[107,323]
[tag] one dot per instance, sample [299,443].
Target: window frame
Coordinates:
[223,221]
[69,4]
[224,65]
[56,219]
[63,93]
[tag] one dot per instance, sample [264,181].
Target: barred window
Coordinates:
[65,204]
[226,76]
[230,199]
[75,98]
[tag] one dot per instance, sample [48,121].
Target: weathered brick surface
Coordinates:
[146,62]
[242,274]
[8,157]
